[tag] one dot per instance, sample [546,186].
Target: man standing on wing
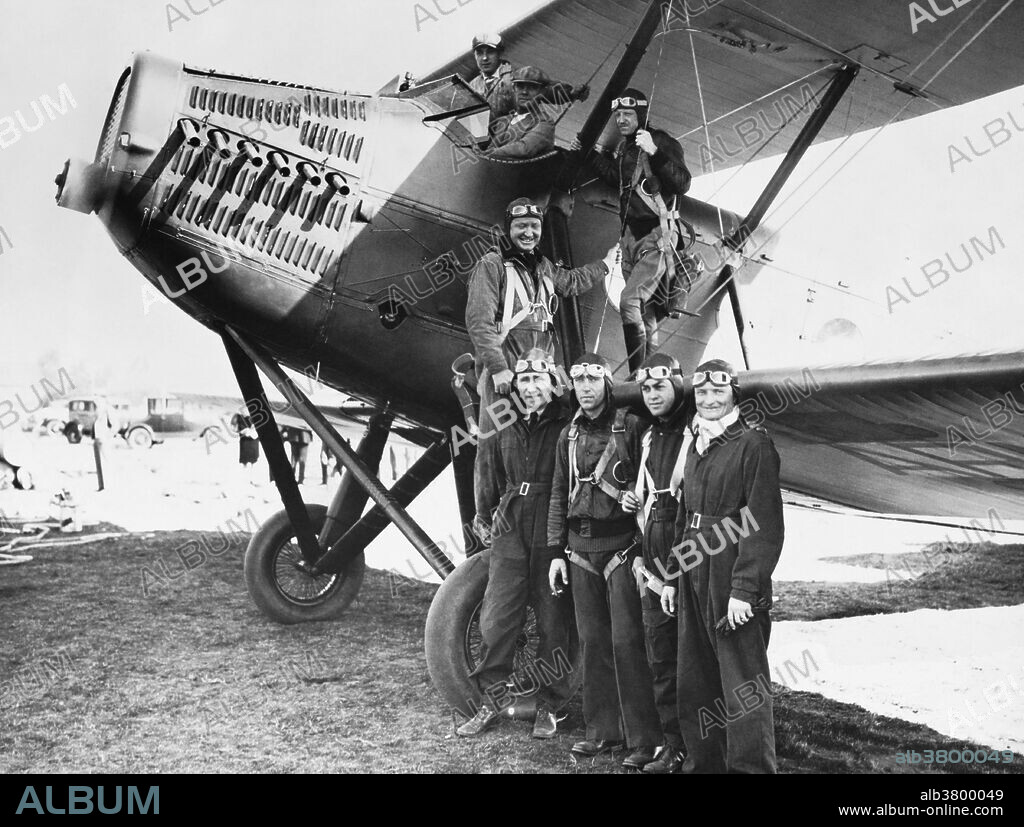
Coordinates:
[658,490]
[592,480]
[728,540]
[651,175]
[509,311]
[523,464]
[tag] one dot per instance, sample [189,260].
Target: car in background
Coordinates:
[170,417]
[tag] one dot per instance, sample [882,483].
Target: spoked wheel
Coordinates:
[279,582]
[453,642]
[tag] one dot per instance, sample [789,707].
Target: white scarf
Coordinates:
[707,430]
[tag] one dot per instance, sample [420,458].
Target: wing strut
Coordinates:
[837,88]
[245,356]
[594,125]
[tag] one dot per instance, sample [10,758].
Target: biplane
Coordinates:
[314,227]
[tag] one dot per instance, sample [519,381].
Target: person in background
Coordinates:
[248,444]
[298,440]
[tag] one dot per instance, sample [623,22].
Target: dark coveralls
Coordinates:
[497,349]
[618,698]
[642,261]
[725,705]
[520,560]
[661,634]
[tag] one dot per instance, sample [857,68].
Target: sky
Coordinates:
[68,299]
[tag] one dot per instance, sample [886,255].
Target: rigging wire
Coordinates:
[743,106]
[703,114]
[947,38]
[813,195]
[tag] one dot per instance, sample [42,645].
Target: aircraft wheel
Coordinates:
[452,639]
[140,438]
[282,589]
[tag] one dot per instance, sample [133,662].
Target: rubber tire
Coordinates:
[73,433]
[139,438]
[260,557]
[446,631]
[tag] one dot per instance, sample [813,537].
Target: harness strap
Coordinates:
[581,561]
[645,481]
[616,446]
[618,559]
[516,288]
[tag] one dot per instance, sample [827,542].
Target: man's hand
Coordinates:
[739,612]
[558,569]
[613,259]
[580,93]
[638,574]
[503,382]
[646,142]
[668,600]
[630,502]
[482,530]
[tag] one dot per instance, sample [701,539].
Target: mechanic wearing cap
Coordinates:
[593,475]
[494,83]
[649,170]
[656,505]
[728,539]
[523,463]
[529,131]
[509,311]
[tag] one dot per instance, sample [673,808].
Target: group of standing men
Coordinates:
[623,525]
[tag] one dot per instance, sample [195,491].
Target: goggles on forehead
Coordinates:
[534,366]
[525,211]
[657,372]
[719,378]
[627,103]
[593,371]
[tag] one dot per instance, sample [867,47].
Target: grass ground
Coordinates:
[106,668]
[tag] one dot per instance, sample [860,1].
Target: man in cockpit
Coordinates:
[495,83]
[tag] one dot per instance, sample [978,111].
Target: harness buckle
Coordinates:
[695,520]
[524,489]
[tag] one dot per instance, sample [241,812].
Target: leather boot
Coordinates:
[636,345]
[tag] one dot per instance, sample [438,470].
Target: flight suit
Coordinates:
[644,246]
[725,707]
[518,572]
[497,349]
[659,493]
[618,698]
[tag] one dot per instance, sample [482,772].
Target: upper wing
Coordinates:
[938,437]
[760,61]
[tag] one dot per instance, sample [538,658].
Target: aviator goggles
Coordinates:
[657,372]
[525,211]
[534,366]
[719,378]
[593,371]
[627,103]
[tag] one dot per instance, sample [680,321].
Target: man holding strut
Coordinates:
[728,540]
[509,311]
[651,175]
[518,572]
[592,479]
